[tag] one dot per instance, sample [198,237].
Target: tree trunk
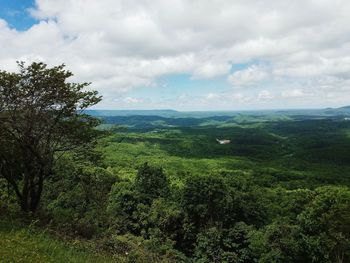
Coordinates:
[37,190]
[31,193]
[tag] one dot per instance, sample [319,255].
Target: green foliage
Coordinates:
[29,245]
[326,224]
[278,193]
[130,248]
[122,206]
[166,218]
[76,197]
[131,203]
[151,183]
[231,245]
[8,200]
[206,200]
[41,115]
[279,242]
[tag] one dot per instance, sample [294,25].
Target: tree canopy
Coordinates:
[41,117]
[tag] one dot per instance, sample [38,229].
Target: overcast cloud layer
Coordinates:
[271,54]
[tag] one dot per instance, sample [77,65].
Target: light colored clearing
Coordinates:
[223,141]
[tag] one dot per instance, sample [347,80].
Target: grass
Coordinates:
[19,243]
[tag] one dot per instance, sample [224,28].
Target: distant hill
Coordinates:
[167,113]
[105,113]
[339,111]
[347,108]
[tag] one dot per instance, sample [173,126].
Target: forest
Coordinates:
[78,185]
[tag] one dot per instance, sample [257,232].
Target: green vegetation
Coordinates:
[161,189]
[40,119]
[30,245]
[309,152]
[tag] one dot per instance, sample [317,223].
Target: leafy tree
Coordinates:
[122,207]
[226,245]
[166,219]
[41,117]
[151,182]
[205,199]
[326,224]
[75,198]
[205,202]
[130,202]
[279,242]
[209,246]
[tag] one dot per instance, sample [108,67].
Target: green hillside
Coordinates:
[28,244]
[161,189]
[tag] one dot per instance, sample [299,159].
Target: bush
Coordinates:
[77,200]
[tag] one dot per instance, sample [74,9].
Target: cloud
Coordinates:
[210,70]
[121,45]
[333,83]
[130,100]
[212,96]
[250,76]
[265,95]
[295,93]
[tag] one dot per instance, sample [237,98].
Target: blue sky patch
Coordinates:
[16,13]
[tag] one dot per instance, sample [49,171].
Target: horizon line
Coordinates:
[221,110]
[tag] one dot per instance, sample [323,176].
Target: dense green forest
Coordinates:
[159,188]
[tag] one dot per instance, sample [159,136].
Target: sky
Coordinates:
[189,54]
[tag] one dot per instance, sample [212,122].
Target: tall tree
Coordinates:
[151,183]
[41,117]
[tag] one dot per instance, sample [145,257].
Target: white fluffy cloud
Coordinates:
[211,96]
[250,76]
[265,95]
[294,93]
[125,44]
[131,100]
